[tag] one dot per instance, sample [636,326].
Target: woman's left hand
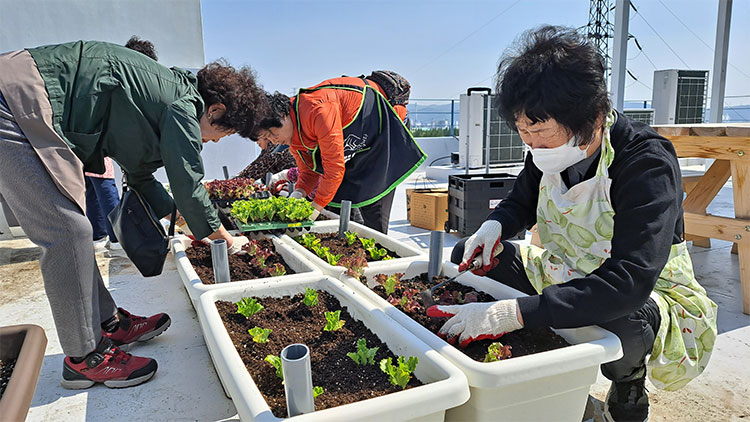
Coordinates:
[477,321]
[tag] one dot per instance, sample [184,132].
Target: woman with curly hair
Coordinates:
[63,108]
[605,193]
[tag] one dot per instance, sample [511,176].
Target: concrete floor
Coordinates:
[187,388]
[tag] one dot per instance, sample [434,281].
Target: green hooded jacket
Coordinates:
[108,100]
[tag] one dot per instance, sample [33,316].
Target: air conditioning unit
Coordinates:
[484,139]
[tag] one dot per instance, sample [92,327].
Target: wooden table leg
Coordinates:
[741,192]
[701,191]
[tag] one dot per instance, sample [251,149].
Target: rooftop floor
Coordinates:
[186,386]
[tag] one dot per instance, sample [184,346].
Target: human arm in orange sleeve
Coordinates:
[327,127]
[307,179]
[401,111]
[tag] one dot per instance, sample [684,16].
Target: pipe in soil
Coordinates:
[346,211]
[220,261]
[435,266]
[295,365]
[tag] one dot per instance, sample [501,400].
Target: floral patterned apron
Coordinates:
[575,227]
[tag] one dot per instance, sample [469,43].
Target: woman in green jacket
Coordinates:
[63,108]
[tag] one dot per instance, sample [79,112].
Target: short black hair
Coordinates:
[237,89]
[554,72]
[142,46]
[279,106]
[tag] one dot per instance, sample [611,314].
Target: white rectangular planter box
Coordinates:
[407,253]
[303,269]
[445,385]
[552,385]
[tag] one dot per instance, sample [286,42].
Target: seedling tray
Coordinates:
[272,225]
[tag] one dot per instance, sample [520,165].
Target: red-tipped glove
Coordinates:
[485,245]
[477,321]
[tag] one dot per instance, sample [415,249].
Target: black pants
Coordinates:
[636,331]
[378,214]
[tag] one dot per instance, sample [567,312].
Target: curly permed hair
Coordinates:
[554,72]
[142,46]
[279,106]
[244,99]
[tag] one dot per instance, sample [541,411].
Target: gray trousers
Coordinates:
[74,286]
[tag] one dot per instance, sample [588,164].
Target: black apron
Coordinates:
[379,151]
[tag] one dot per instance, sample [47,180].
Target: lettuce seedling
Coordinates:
[497,351]
[390,283]
[408,300]
[248,307]
[355,265]
[364,355]
[260,335]
[400,374]
[350,238]
[317,391]
[277,270]
[333,322]
[333,259]
[311,297]
[377,253]
[276,362]
[308,240]
[367,243]
[251,248]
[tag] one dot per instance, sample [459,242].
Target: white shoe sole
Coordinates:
[83,384]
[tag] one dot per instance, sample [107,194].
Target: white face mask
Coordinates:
[555,160]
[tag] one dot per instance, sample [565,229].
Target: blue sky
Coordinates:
[443,47]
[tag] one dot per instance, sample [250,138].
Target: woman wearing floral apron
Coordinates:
[605,193]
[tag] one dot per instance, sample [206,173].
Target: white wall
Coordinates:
[174,26]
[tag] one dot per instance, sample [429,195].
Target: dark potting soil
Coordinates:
[240,266]
[343,381]
[341,247]
[6,370]
[525,341]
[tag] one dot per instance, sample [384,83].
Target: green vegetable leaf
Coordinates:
[496,351]
[248,307]
[333,322]
[276,362]
[311,297]
[350,238]
[364,355]
[260,335]
[400,374]
[317,391]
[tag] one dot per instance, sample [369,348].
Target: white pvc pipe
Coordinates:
[295,365]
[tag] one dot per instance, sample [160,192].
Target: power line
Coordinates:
[467,37]
[661,38]
[701,39]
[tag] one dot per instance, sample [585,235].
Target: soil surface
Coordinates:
[525,341]
[240,266]
[6,370]
[340,247]
[292,321]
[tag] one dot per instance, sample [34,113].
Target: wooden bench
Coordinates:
[729,145]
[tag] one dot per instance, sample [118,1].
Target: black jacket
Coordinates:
[646,195]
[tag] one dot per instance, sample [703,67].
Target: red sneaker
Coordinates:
[109,365]
[137,328]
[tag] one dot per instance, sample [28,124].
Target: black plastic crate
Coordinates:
[472,197]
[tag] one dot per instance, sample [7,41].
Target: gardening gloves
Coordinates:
[484,244]
[298,193]
[314,215]
[477,321]
[237,243]
[276,178]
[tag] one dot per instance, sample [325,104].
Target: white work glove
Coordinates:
[282,175]
[237,243]
[314,215]
[485,245]
[298,193]
[477,321]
